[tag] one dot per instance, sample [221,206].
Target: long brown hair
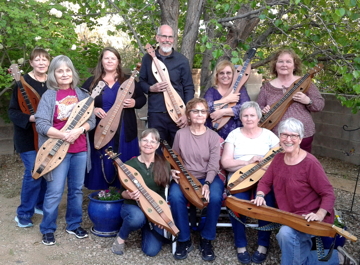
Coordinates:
[99,71]
[160,170]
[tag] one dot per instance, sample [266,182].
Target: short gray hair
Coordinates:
[292,125]
[251,104]
[51,82]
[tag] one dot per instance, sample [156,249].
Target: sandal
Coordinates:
[118,248]
[348,259]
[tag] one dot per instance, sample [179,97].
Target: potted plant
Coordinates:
[104,212]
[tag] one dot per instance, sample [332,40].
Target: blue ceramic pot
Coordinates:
[105,216]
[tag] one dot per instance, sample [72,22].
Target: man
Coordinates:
[180,77]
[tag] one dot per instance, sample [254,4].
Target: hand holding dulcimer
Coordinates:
[240,77]
[53,151]
[278,109]
[108,126]
[152,204]
[174,104]
[295,221]
[244,178]
[28,98]
[189,185]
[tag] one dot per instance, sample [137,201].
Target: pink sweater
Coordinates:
[200,153]
[301,188]
[269,95]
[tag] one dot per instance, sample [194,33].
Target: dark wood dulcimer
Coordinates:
[28,98]
[53,151]
[278,109]
[247,176]
[240,77]
[174,104]
[108,126]
[295,221]
[189,185]
[152,204]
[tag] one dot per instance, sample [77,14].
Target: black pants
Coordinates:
[164,124]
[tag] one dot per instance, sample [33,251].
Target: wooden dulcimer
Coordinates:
[278,109]
[189,185]
[174,104]
[244,178]
[108,126]
[241,75]
[152,204]
[28,98]
[295,221]
[53,151]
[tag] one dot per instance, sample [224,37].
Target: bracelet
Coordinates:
[207,183]
[83,129]
[260,195]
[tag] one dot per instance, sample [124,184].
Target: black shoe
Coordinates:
[182,249]
[48,239]
[207,252]
[244,257]
[258,257]
[78,232]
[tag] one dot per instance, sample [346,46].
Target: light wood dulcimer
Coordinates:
[28,98]
[174,104]
[53,151]
[108,126]
[295,221]
[278,109]
[247,176]
[241,75]
[189,185]
[152,204]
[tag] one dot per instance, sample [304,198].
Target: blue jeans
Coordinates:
[239,228]
[296,249]
[179,210]
[32,190]
[134,219]
[73,169]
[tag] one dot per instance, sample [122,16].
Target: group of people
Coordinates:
[295,180]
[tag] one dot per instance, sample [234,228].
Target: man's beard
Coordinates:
[166,49]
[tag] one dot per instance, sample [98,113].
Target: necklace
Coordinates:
[42,82]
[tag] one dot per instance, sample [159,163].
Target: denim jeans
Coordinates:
[179,210]
[73,169]
[32,190]
[239,228]
[134,219]
[296,249]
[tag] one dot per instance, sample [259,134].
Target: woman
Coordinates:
[286,66]
[108,69]
[245,146]
[52,114]
[32,190]
[221,80]
[155,172]
[199,147]
[301,187]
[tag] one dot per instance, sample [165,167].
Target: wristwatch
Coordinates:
[310,102]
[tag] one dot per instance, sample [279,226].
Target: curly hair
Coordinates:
[296,58]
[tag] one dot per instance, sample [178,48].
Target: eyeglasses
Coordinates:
[166,37]
[225,73]
[198,111]
[292,136]
[146,141]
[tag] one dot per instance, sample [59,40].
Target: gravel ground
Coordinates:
[23,246]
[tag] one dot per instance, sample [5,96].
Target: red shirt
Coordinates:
[66,100]
[301,188]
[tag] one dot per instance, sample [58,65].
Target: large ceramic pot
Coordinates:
[105,216]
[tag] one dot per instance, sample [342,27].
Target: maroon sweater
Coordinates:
[301,188]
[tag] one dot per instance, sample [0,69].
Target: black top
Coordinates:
[23,131]
[180,77]
[128,114]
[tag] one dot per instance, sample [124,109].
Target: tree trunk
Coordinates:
[170,16]
[191,30]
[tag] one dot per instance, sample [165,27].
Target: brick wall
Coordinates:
[330,138]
